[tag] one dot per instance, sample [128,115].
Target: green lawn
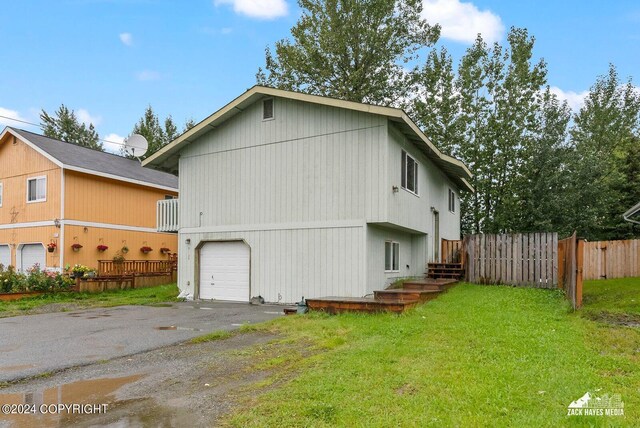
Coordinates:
[71,301]
[476,356]
[613,296]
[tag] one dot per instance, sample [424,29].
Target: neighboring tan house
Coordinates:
[52,192]
[285,195]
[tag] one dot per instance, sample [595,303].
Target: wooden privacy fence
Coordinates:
[109,267]
[570,268]
[451,251]
[611,259]
[522,259]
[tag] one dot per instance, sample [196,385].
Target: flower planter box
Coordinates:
[5,297]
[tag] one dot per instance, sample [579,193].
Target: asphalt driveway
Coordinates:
[36,344]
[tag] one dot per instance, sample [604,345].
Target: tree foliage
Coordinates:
[537,166]
[158,135]
[350,49]
[65,126]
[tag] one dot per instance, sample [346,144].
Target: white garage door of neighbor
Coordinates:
[5,256]
[224,271]
[30,255]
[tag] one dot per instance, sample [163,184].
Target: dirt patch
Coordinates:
[628,320]
[183,385]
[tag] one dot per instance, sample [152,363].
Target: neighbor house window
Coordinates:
[391,256]
[1,188]
[37,189]
[452,201]
[409,173]
[267,109]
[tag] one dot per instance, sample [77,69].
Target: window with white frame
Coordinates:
[452,201]
[37,189]
[267,109]
[1,190]
[391,256]
[409,173]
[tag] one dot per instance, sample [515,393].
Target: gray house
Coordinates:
[285,195]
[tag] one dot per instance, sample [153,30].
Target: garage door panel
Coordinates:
[32,254]
[5,255]
[224,271]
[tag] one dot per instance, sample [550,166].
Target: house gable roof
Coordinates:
[167,157]
[94,162]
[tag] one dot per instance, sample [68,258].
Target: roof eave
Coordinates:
[164,158]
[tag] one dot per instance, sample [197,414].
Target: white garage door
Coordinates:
[32,254]
[5,256]
[224,271]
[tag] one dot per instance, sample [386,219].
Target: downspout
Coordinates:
[62,194]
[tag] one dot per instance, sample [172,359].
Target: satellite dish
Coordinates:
[136,145]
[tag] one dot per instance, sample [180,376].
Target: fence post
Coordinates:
[579,269]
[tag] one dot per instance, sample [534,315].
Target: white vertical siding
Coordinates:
[289,264]
[414,212]
[311,163]
[412,253]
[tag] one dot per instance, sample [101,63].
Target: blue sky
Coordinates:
[109,59]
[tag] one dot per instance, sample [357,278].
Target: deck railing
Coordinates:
[167,215]
[127,267]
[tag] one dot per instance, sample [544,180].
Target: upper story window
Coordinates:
[409,173]
[1,189]
[267,109]
[452,201]
[37,189]
[391,256]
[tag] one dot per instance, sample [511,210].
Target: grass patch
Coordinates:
[476,356]
[213,336]
[72,301]
[612,295]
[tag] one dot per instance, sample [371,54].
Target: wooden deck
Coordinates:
[336,305]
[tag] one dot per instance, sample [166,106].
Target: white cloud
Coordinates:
[85,117]
[574,99]
[6,115]
[261,9]
[463,21]
[126,39]
[147,75]
[113,143]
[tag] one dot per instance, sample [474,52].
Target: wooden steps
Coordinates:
[441,284]
[445,270]
[401,294]
[440,277]
[336,305]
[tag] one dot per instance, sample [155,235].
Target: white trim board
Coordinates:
[81,223]
[348,224]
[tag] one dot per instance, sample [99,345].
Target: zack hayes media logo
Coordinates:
[591,405]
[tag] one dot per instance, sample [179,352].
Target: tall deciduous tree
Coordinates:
[65,126]
[350,49]
[605,134]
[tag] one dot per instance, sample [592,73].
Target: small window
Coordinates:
[1,188]
[37,189]
[267,109]
[169,197]
[391,256]
[452,201]
[409,171]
